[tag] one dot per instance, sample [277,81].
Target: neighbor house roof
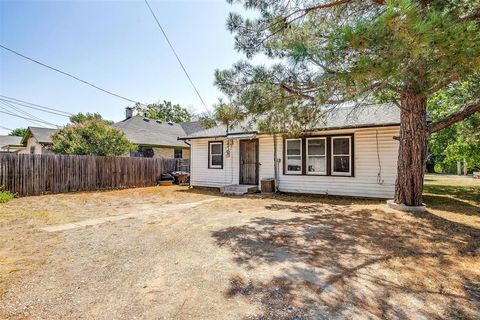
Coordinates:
[42,135]
[11,141]
[340,117]
[148,132]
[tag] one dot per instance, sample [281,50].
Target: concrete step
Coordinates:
[238,189]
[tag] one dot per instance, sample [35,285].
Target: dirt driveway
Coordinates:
[254,257]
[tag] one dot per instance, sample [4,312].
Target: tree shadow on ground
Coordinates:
[335,261]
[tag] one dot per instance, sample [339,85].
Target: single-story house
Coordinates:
[11,144]
[157,139]
[38,140]
[352,152]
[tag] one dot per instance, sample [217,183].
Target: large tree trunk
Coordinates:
[412,150]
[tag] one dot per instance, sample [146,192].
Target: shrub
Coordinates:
[5,196]
[438,168]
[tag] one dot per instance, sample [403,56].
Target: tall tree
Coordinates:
[80,118]
[331,51]
[19,132]
[165,111]
[91,137]
[459,143]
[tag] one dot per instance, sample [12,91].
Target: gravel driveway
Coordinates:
[254,257]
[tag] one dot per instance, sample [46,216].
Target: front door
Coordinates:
[249,162]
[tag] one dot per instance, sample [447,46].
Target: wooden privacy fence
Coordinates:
[27,174]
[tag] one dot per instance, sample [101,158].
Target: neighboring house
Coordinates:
[353,152]
[38,140]
[11,144]
[157,139]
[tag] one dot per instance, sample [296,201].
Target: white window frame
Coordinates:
[210,155]
[319,173]
[286,157]
[350,155]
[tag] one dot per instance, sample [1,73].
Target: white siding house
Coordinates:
[359,160]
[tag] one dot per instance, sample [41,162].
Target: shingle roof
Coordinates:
[150,132]
[10,141]
[336,118]
[42,135]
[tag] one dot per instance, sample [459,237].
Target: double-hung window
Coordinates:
[215,154]
[293,156]
[317,156]
[342,156]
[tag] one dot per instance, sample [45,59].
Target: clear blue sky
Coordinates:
[116,45]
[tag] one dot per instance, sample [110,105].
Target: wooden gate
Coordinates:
[249,162]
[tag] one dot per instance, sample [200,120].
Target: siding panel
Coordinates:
[367,168]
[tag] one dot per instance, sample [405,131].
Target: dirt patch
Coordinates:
[253,257]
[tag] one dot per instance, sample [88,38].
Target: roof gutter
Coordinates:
[393,124]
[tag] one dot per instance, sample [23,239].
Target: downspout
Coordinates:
[275,162]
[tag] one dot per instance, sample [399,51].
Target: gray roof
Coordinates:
[352,116]
[10,141]
[42,135]
[143,131]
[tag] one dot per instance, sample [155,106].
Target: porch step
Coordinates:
[238,189]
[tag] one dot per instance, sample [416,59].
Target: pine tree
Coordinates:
[331,51]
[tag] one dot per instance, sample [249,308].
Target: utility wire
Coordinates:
[6,111]
[176,56]
[14,108]
[5,128]
[36,105]
[70,75]
[25,118]
[31,107]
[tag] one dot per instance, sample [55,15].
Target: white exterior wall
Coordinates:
[366,166]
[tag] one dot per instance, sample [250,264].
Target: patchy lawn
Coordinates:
[255,257]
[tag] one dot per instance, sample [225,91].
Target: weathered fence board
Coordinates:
[27,174]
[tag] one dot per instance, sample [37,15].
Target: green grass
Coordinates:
[457,195]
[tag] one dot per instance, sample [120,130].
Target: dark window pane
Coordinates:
[316,147]
[177,153]
[341,163]
[341,146]
[216,148]
[293,147]
[217,160]
[294,163]
[316,164]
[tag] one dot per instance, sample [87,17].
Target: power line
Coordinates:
[176,56]
[37,105]
[31,107]
[5,128]
[6,111]
[21,111]
[69,75]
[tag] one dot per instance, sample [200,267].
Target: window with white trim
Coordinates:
[342,156]
[215,156]
[317,156]
[293,156]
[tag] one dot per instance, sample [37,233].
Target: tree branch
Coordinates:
[295,92]
[455,117]
[453,77]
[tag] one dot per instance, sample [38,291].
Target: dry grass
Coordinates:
[253,257]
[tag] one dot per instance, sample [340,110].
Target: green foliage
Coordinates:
[165,111]
[227,114]
[461,141]
[438,168]
[350,51]
[5,195]
[206,120]
[81,118]
[19,132]
[91,137]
